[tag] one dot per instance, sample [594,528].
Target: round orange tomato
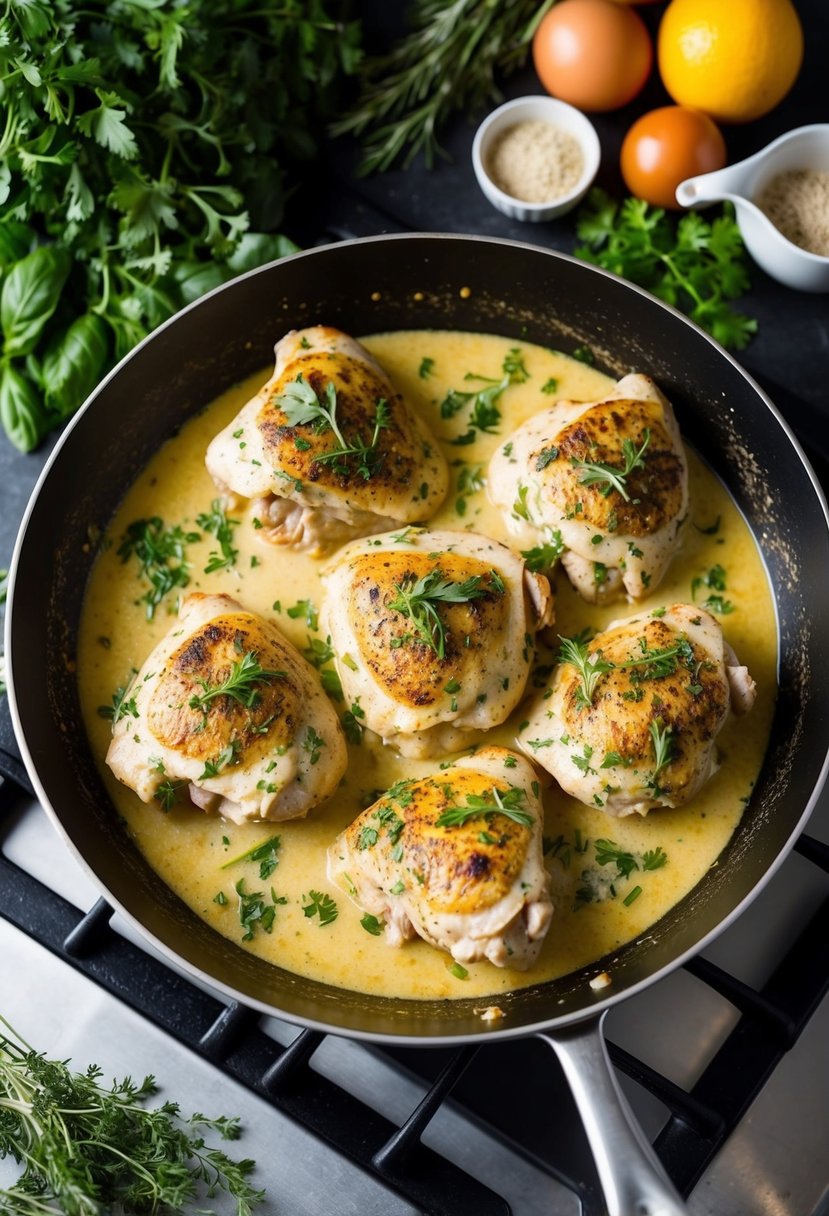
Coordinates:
[596,54]
[664,147]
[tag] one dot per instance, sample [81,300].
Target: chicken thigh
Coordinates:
[227,707]
[603,482]
[456,859]
[327,449]
[630,720]
[434,634]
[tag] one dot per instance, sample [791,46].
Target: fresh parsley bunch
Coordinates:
[694,265]
[144,148]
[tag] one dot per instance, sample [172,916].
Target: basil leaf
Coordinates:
[73,364]
[21,411]
[15,242]
[30,295]
[195,278]
[256,248]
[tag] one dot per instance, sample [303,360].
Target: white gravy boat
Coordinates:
[804,148]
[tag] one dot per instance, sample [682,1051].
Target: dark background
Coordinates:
[790,353]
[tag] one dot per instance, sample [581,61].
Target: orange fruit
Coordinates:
[595,54]
[734,59]
[664,147]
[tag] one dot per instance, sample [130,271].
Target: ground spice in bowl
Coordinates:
[535,161]
[797,203]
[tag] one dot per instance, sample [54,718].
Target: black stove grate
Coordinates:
[507,1088]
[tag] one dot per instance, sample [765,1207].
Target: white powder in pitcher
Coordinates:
[797,202]
[535,161]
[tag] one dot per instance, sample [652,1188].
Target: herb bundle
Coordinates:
[446,65]
[143,159]
[86,1148]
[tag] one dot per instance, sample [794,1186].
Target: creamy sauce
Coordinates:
[194,853]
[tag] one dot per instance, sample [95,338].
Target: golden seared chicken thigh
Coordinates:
[227,707]
[327,449]
[630,719]
[456,859]
[433,633]
[603,484]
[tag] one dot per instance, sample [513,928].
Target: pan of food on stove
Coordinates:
[454,677]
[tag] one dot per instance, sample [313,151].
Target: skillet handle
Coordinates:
[11,762]
[632,1177]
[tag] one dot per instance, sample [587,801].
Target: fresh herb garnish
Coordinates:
[161,555]
[254,910]
[301,405]
[608,476]
[167,792]
[544,557]
[121,707]
[495,803]
[470,480]
[692,264]
[241,683]
[417,599]
[591,666]
[426,367]
[372,925]
[306,610]
[86,1147]
[312,743]
[214,765]
[514,366]
[217,524]
[716,580]
[662,738]
[266,853]
[484,414]
[321,905]
[352,721]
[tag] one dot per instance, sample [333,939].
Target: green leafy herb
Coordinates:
[447,64]
[306,610]
[161,555]
[426,368]
[167,792]
[514,366]
[470,481]
[693,264]
[301,405]
[254,910]
[217,524]
[241,683]
[121,707]
[484,413]
[544,557]
[417,599]
[662,737]
[607,475]
[716,580]
[86,1147]
[495,803]
[141,145]
[266,853]
[460,972]
[321,905]
[228,756]
[353,722]
[372,925]
[591,666]
[312,743]
[550,386]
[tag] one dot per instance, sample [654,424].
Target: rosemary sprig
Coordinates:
[448,63]
[417,599]
[241,683]
[301,405]
[595,472]
[662,737]
[483,807]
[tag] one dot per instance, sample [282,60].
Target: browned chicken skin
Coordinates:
[303,493]
[477,888]
[614,540]
[645,735]
[271,751]
[424,698]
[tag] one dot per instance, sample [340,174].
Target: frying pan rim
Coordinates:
[192,971]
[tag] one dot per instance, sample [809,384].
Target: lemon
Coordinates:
[733,59]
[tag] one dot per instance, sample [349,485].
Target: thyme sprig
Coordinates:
[86,1147]
[596,472]
[417,599]
[301,405]
[591,666]
[484,806]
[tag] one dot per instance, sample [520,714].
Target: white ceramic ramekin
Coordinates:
[804,148]
[544,109]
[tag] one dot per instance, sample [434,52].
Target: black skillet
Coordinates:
[444,282]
